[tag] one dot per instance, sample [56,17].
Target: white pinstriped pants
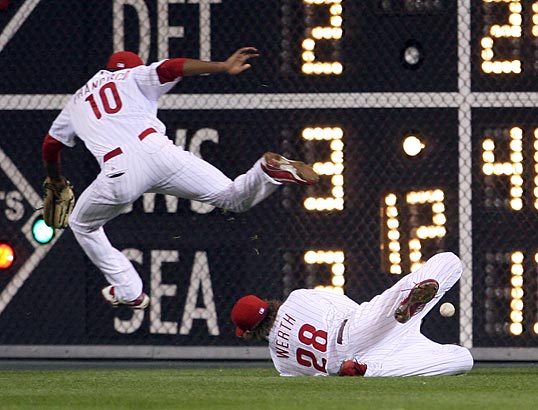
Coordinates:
[154,165]
[390,348]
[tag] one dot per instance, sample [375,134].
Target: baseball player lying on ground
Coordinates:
[115,115]
[318,333]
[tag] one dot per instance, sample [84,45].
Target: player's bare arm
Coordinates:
[235,64]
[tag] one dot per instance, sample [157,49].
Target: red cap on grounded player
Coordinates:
[123,59]
[247,313]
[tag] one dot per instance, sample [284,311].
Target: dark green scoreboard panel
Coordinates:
[418,114]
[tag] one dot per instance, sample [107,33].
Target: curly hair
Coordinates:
[261,331]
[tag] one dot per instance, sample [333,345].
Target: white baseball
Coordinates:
[447,309]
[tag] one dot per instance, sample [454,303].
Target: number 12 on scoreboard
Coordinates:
[412,223]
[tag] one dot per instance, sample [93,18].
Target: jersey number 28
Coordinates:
[311,336]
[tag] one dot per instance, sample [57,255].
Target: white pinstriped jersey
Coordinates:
[112,109]
[303,338]
[315,331]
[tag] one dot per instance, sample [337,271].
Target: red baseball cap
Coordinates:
[247,313]
[123,59]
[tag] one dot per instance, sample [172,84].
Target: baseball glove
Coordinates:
[58,203]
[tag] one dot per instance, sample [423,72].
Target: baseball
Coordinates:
[447,309]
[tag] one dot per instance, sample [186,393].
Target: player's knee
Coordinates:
[451,261]
[467,361]
[76,226]
[460,359]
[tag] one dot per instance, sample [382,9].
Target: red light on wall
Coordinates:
[4,4]
[7,256]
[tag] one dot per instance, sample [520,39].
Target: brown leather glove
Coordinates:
[58,202]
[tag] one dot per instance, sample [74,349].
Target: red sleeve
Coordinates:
[170,70]
[51,149]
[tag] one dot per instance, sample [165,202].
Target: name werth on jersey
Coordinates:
[283,336]
[97,82]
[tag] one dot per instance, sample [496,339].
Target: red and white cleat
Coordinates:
[419,295]
[288,171]
[140,302]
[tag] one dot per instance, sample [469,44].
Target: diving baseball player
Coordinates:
[115,115]
[318,333]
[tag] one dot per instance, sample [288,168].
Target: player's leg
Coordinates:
[193,178]
[93,209]
[374,321]
[416,355]
[444,268]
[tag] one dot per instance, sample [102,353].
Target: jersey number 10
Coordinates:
[105,100]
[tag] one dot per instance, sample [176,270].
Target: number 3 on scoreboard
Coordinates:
[310,336]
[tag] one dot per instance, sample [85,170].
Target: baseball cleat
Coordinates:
[140,302]
[419,295]
[288,171]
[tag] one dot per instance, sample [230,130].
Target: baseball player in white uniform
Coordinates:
[319,333]
[115,115]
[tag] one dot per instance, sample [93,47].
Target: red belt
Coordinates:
[117,151]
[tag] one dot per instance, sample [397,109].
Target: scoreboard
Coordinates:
[419,115]
[306,46]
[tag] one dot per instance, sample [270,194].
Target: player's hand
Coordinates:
[237,62]
[352,368]
[58,183]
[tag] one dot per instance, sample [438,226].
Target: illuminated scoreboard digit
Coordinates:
[512,167]
[505,178]
[505,45]
[333,167]
[391,242]
[331,32]
[510,29]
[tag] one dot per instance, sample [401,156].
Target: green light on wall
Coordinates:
[41,232]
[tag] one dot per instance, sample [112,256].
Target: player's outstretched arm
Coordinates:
[51,160]
[235,64]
